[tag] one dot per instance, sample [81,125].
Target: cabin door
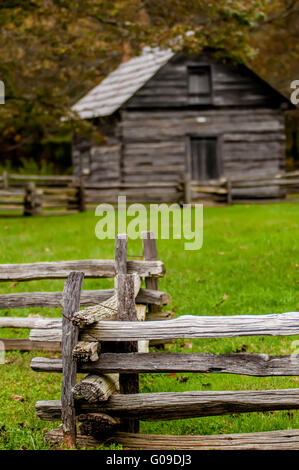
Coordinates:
[204,158]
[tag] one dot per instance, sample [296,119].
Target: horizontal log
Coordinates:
[91,297]
[58,207]
[264,183]
[12,193]
[269,440]
[8,207]
[262,177]
[30,322]
[12,344]
[171,405]
[46,213]
[208,190]
[65,192]
[48,334]
[11,203]
[92,268]
[123,186]
[188,326]
[39,178]
[259,365]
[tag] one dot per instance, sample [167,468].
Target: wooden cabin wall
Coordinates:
[231,86]
[155,142]
[244,114]
[100,161]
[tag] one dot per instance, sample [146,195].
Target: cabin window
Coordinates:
[200,83]
[204,158]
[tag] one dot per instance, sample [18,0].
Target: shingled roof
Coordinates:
[122,84]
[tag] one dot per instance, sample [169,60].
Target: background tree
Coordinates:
[54,51]
[276,41]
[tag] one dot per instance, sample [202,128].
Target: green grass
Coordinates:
[248,265]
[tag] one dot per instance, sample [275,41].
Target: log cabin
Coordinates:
[165,114]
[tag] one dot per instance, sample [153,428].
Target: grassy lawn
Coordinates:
[248,265]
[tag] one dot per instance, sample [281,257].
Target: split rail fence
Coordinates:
[110,415]
[52,195]
[45,333]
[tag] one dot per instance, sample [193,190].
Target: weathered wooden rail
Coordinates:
[45,333]
[40,195]
[107,416]
[52,195]
[243,189]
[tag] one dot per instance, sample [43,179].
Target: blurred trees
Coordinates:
[276,41]
[54,51]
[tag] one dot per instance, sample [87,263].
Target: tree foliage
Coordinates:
[54,51]
[276,40]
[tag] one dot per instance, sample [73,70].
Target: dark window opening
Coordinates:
[200,83]
[204,158]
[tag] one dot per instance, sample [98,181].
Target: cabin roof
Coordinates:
[121,84]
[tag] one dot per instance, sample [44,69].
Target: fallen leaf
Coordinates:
[29,252]
[224,298]
[17,397]
[253,266]
[172,374]
[295,379]
[187,344]
[13,284]
[47,250]
[9,361]
[183,379]
[221,253]
[34,315]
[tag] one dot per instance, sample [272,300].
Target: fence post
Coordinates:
[5,180]
[229,191]
[187,188]
[71,304]
[81,197]
[32,204]
[150,253]
[128,383]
